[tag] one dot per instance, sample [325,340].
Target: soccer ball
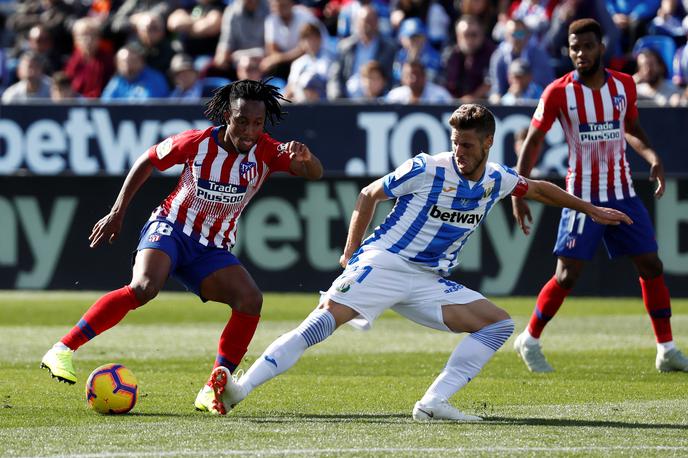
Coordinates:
[112,388]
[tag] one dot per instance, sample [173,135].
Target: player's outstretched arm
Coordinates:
[527,158]
[361,217]
[303,162]
[551,194]
[109,226]
[637,138]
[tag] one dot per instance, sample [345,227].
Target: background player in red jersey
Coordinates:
[597,110]
[191,233]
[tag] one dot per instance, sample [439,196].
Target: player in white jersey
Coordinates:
[190,235]
[441,200]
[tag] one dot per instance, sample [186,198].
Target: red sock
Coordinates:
[658,305]
[104,314]
[548,302]
[235,339]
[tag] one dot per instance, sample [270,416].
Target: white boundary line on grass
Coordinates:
[315,451]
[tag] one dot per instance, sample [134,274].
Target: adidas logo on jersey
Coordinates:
[455,216]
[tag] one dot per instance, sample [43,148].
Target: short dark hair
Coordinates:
[261,91]
[309,29]
[471,116]
[586,25]
[658,57]
[373,66]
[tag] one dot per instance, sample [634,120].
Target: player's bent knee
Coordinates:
[250,303]
[144,291]
[567,278]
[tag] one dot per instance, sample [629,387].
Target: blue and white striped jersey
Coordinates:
[437,209]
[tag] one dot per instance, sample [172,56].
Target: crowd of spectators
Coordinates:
[396,51]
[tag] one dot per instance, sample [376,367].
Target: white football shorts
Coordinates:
[380,280]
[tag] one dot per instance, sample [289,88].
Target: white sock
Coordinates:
[277,358]
[530,340]
[61,347]
[467,359]
[284,352]
[664,347]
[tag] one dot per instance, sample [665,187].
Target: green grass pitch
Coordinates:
[349,396]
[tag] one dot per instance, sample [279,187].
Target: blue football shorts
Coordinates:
[191,261]
[579,236]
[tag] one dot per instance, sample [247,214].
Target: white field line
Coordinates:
[316,451]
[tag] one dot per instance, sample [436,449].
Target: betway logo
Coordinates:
[88,142]
[455,216]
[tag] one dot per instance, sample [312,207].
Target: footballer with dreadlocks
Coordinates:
[191,233]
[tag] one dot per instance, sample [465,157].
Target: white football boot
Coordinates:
[440,409]
[222,392]
[673,360]
[531,354]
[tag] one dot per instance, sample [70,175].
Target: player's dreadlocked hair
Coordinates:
[262,91]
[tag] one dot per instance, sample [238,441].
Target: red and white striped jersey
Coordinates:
[594,124]
[215,185]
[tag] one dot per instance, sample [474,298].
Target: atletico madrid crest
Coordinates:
[619,102]
[248,171]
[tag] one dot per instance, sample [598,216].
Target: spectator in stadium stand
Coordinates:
[55,15]
[535,14]
[484,10]
[415,46]
[517,44]
[61,88]
[467,63]
[680,74]
[652,80]
[416,89]
[314,88]
[90,66]
[42,42]
[556,38]
[668,20]
[197,27]
[632,17]
[134,80]
[151,35]
[187,86]
[282,28]
[364,45]
[522,89]
[248,64]
[316,60]
[4,73]
[430,12]
[243,27]
[373,87]
[33,83]
[349,11]
[122,23]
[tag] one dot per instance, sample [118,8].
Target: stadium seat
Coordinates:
[211,83]
[664,45]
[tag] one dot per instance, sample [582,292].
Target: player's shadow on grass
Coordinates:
[280,417]
[160,414]
[581,423]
